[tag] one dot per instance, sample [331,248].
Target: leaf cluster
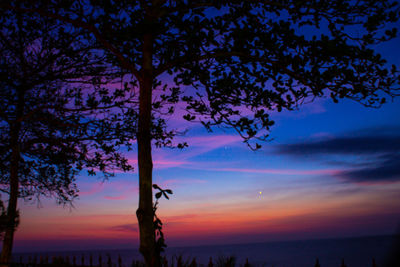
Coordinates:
[55,104]
[159,235]
[232,63]
[227,64]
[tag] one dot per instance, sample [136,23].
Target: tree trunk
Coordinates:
[15,127]
[11,209]
[145,211]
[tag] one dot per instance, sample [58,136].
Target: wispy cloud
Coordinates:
[121,197]
[161,163]
[176,182]
[275,171]
[125,228]
[344,145]
[94,188]
[202,144]
[115,189]
[198,145]
[385,170]
[376,156]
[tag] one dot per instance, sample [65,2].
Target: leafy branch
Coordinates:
[159,235]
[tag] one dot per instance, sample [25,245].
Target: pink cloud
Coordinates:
[121,197]
[94,189]
[277,171]
[202,144]
[160,163]
[213,141]
[315,107]
[125,228]
[175,182]
[183,217]
[124,188]
[198,145]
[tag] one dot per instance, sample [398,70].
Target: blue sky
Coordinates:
[327,172]
[226,193]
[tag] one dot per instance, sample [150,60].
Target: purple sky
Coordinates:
[331,170]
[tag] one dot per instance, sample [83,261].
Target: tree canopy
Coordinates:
[56,117]
[53,84]
[242,59]
[230,63]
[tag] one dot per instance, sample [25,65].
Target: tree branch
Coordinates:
[125,63]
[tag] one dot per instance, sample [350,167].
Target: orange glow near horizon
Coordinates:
[236,217]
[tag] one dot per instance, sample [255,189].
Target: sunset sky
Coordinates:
[330,170]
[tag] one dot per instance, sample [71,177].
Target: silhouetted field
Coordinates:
[179,262]
[350,252]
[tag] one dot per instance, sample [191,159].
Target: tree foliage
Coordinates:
[56,116]
[231,63]
[53,84]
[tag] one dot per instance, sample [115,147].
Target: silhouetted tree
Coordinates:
[56,118]
[4,220]
[393,255]
[233,62]
[317,263]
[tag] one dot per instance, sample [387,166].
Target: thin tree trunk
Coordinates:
[15,127]
[11,209]
[145,211]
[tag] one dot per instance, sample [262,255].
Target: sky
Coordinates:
[330,170]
